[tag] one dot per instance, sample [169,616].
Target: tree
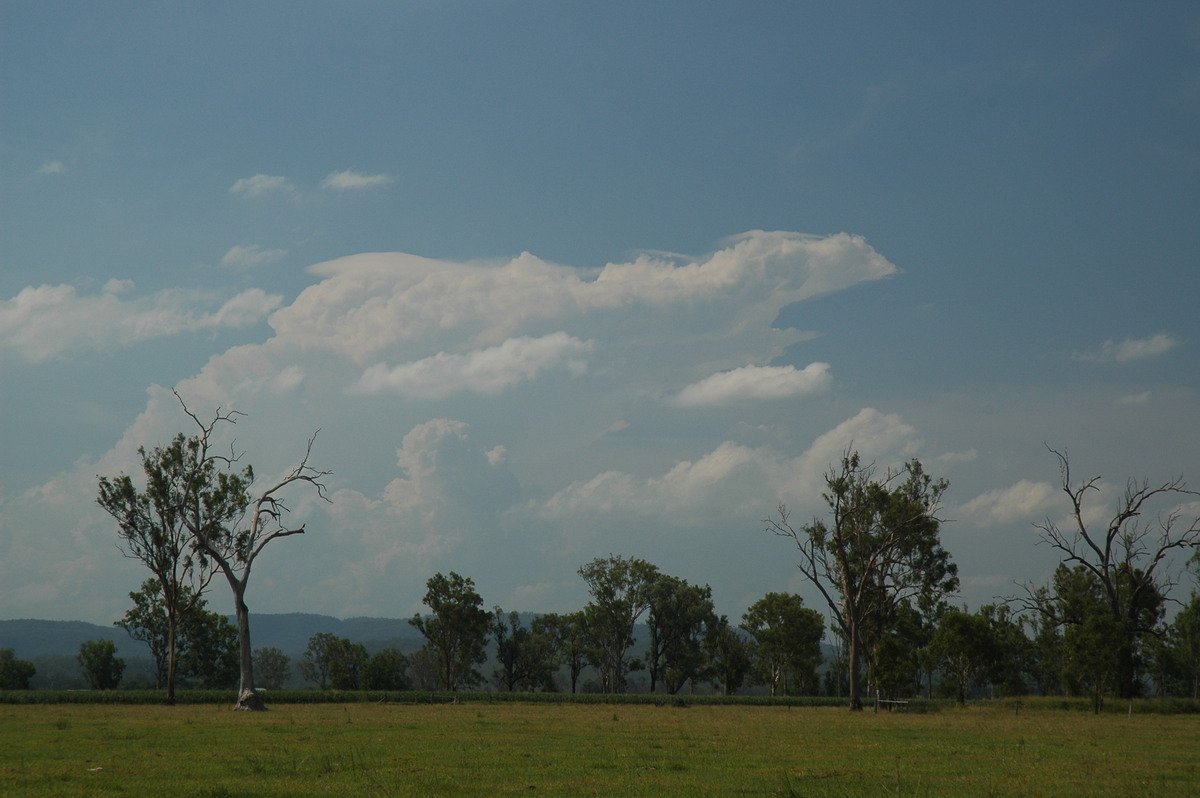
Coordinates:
[679,617]
[964,648]
[387,669]
[14,673]
[787,637]
[147,621]
[730,655]
[620,590]
[209,650]
[1182,645]
[272,667]
[1129,557]
[527,655]
[569,640]
[100,664]
[205,646]
[213,505]
[315,665]
[153,529]
[457,631]
[347,661]
[880,548]
[1014,650]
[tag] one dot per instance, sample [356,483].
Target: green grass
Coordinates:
[593,749]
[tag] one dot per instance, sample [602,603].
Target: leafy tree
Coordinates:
[1128,557]
[527,656]
[272,667]
[881,547]
[14,673]
[387,669]
[100,664]
[347,661]
[620,591]
[457,631]
[209,649]
[315,665]
[153,528]
[147,621]
[332,661]
[680,615]
[1014,650]
[787,638]
[1183,646]
[964,648]
[205,646]
[569,640]
[1046,665]
[730,654]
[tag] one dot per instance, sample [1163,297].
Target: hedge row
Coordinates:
[1166,706]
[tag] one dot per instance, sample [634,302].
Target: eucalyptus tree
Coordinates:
[964,648]
[620,596]
[232,541]
[152,526]
[880,547]
[1129,557]
[457,630]
[730,656]
[199,515]
[100,664]
[787,642]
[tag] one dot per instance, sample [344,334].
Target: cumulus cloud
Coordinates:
[733,479]
[1024,501]
[373,303]
[350,180]
[757,382]
[260,184]
[1130,349]
[488,371]
[47,321]
[514,487]
[250,256]
[52,168]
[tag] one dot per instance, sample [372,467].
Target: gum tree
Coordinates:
[880,547]
[1128,558]
[199,515]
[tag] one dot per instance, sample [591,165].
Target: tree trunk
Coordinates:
[171,629]
[248,698]
[855,687]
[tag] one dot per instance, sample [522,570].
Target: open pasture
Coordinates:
[581,750]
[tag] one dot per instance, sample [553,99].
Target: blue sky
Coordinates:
[559,280]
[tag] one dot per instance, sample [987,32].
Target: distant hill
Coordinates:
[288,632]
[33,638]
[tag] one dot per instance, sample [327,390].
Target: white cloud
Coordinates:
[260,184]
[757,382]
[734,479]
[488,371]
[1135,398]
[1024,501]
[48,321]
[1130,349]
[350,180]
[513,486]
[374,303]
[250,256]
[52,168]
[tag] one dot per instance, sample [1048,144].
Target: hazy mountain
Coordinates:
[289,632]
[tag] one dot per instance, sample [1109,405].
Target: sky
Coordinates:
[558,281]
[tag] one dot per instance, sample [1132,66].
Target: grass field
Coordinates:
[581,750]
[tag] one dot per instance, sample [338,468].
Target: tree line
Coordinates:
[875,556]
